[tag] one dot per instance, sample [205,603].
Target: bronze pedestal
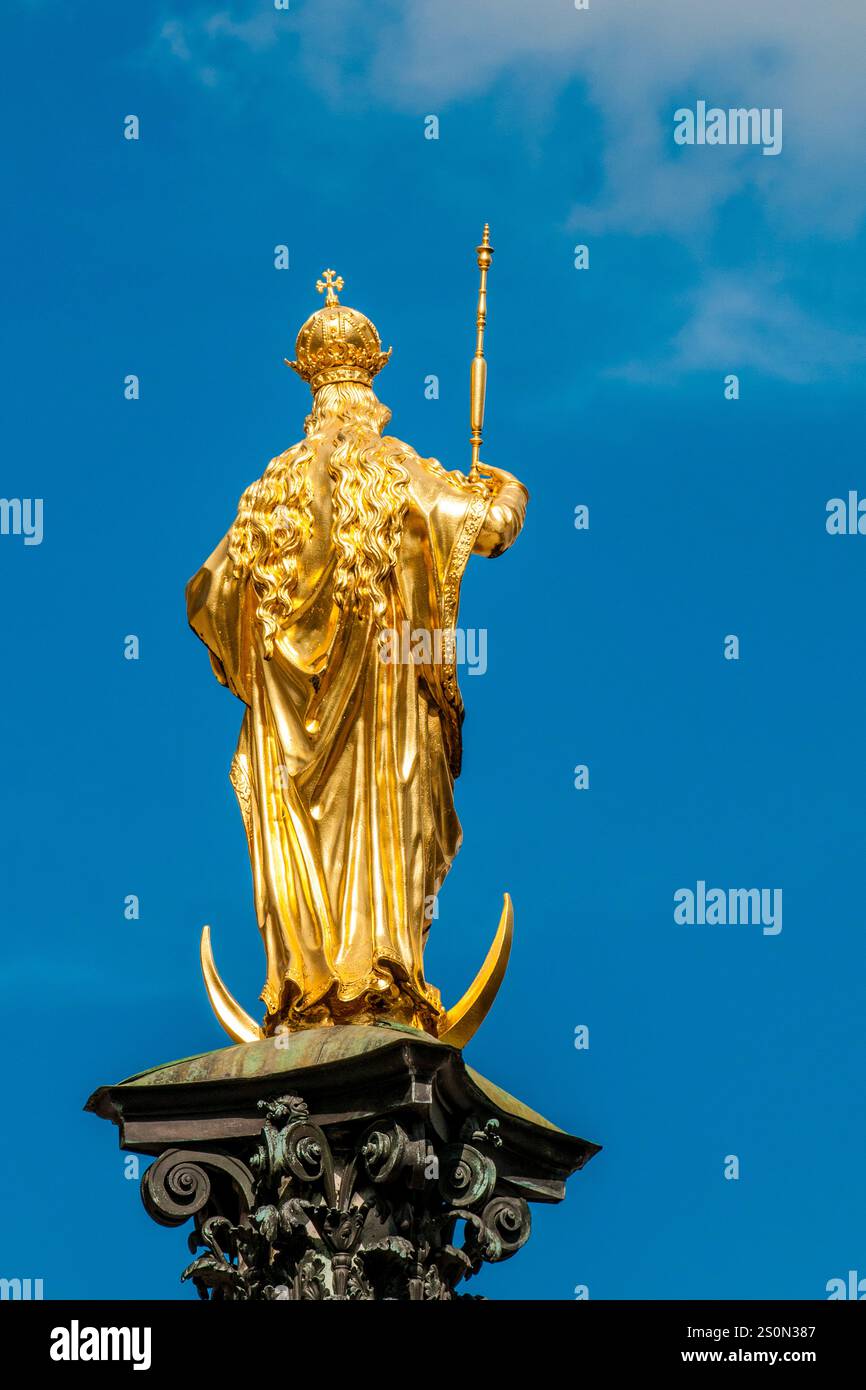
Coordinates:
[343,1162]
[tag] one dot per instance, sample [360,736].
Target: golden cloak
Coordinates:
[345,764]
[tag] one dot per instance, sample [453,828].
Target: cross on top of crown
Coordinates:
[330,282]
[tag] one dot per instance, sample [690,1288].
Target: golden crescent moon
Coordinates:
[456,1026]
[464,1020]
[235,1020]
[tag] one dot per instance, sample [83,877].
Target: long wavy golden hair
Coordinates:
[369,500]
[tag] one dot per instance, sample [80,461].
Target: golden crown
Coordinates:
[337,343]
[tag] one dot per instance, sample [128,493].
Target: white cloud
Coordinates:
[637,59]
[261,31]
[640,59]
[636,62]
[209,42]
[739,323]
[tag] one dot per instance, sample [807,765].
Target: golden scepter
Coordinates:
[478,374]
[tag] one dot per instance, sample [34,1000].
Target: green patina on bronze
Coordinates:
[297,1052]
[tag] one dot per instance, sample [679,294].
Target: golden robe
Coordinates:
[345,764]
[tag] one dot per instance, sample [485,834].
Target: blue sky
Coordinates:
[606,387]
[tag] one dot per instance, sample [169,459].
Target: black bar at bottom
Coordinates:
[244,1339]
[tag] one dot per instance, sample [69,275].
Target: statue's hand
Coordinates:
[505,513]
[483,473]
[496,478]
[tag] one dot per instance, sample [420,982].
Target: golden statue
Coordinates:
[346,760]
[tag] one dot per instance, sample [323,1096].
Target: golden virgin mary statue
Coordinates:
[348,752]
